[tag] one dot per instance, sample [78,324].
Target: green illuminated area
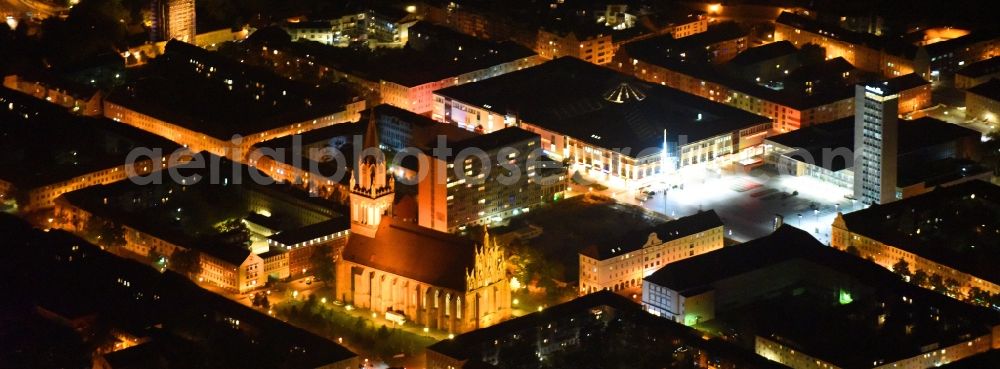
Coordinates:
[845,297]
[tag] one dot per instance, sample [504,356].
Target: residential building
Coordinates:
[988,359]
[601,319]
[78,98]
[52,151]
[888,57]
[592,47]
[376,25]
[929,58]
[767,62]
[298,246]
[611,130]
[152,317]
[160,220]
[977,73]
[446,58]
[982,102]
[483,21]
[922,230]
[317,160]
[621,264]
[236,107]
[948,56]
[400,129]
[779,291]
[876,143]
[465,189]
[914,93]
[931,154]
[679,24]
[319,31]
[173,20]
[789,108]
[717,45]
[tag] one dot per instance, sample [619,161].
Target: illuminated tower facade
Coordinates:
[173,19]
[876,135]
[372,187]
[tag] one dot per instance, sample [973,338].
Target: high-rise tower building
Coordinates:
[372,187]
[173,19]
[876,127]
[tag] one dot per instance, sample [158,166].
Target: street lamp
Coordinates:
[816,212]
[800,220]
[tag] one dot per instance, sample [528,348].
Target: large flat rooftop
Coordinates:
[44,144]
[602,107]
[208,93]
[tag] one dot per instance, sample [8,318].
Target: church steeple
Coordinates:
[372,187]
[371,139]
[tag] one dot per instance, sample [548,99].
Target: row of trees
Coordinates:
[948,286]
[385,342]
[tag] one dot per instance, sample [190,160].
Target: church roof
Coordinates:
[419,253]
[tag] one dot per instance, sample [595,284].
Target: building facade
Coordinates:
[621,267]
[863,51]
[787,116]
[876,140]
[79,99]
[982,102]
[419,98]
[977,73]
[594,48]
[173,20]
[458,194]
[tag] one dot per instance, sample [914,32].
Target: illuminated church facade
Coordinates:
[402,271]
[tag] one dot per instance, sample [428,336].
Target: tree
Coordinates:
[322,263]
[936,282]
[155,257]
[919,278]
[902,268]
[978,296]
[853,251]
[186,261]
[104,233]
[951,284]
